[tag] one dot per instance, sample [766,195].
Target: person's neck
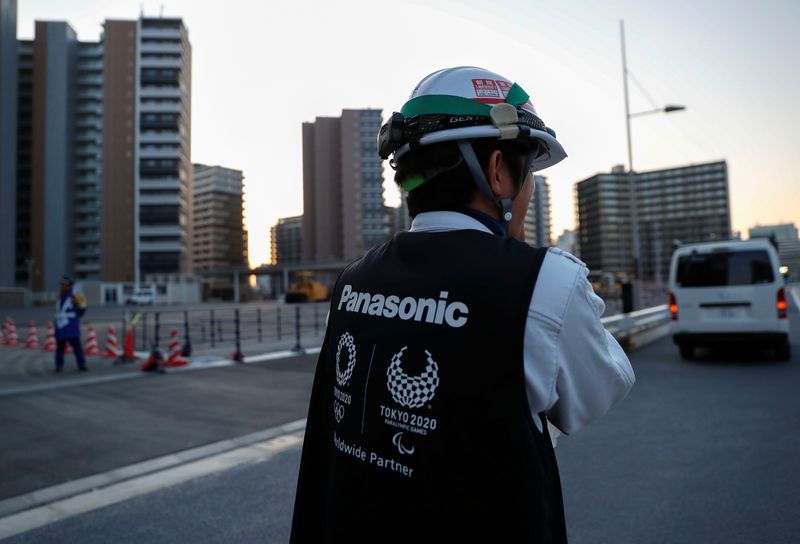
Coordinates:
[482,204]
[488,221]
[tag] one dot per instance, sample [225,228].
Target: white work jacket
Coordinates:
[574,369]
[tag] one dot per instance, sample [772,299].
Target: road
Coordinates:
[699,452]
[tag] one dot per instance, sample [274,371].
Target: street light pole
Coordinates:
[636,247]
[634,212]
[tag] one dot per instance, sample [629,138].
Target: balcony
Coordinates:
[160,92]
[161,47]
[159,137]
[174,231]
[160,153]
[161,246]
[91,108]
[93,238]
[159,124]
[168,184]
[169,33]
[87,223]
[163,62]
[159,107]
[160,199]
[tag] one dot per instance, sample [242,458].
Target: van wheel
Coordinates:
[783,351]
[687,351]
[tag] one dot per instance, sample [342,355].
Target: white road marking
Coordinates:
[80,496]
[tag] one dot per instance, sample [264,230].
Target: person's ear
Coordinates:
[494,171]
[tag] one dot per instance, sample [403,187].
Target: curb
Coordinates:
[199,365]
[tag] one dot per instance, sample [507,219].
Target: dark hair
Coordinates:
[449,184]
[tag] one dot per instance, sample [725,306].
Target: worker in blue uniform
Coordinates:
[69,309]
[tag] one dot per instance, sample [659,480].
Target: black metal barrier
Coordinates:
[239,327]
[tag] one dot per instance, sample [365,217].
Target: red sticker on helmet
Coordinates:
[505,86]
[485,88]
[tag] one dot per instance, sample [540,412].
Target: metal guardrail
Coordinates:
[294,324]
[626,325]
[228,327]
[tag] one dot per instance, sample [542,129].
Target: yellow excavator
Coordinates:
[306,289]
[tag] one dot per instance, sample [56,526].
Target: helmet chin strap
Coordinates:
[478,176]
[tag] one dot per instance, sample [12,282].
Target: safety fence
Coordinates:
[625,326]
[252,327]
[228,327]
[200,331]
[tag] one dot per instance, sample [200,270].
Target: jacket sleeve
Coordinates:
[574,369]
[593,372]
[311,496]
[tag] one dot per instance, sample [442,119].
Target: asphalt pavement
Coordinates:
[54,436]
[699,452]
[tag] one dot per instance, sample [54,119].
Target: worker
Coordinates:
[455,352]
[69,309]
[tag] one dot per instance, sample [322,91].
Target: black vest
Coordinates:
[419,428]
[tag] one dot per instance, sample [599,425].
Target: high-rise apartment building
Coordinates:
[537,220]
[102,181]
[164,144]
[147,174]
[53,161]
[675,205]
[220,240]
[23,269]
[343,206]
[286,240]
[8,140]
[87,152]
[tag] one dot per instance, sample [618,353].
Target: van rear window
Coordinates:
[724,268]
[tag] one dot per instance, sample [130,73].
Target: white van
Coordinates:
[723,292]
[142,296]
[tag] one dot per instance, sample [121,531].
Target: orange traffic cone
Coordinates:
[33,338]
[11,333]
[112,348]
[92,349]
[68,349]
[50,338]
[127,356]
[129,344]
[175,356]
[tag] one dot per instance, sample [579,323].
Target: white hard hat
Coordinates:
[467,103]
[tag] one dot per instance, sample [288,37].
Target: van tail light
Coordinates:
[673,307]
[781,304]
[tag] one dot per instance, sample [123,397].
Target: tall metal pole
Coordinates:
[634,215]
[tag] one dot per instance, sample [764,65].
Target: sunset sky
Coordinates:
[262,68]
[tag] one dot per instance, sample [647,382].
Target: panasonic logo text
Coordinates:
[454,314]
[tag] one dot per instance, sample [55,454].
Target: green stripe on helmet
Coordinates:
[458,105]
[443,104]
